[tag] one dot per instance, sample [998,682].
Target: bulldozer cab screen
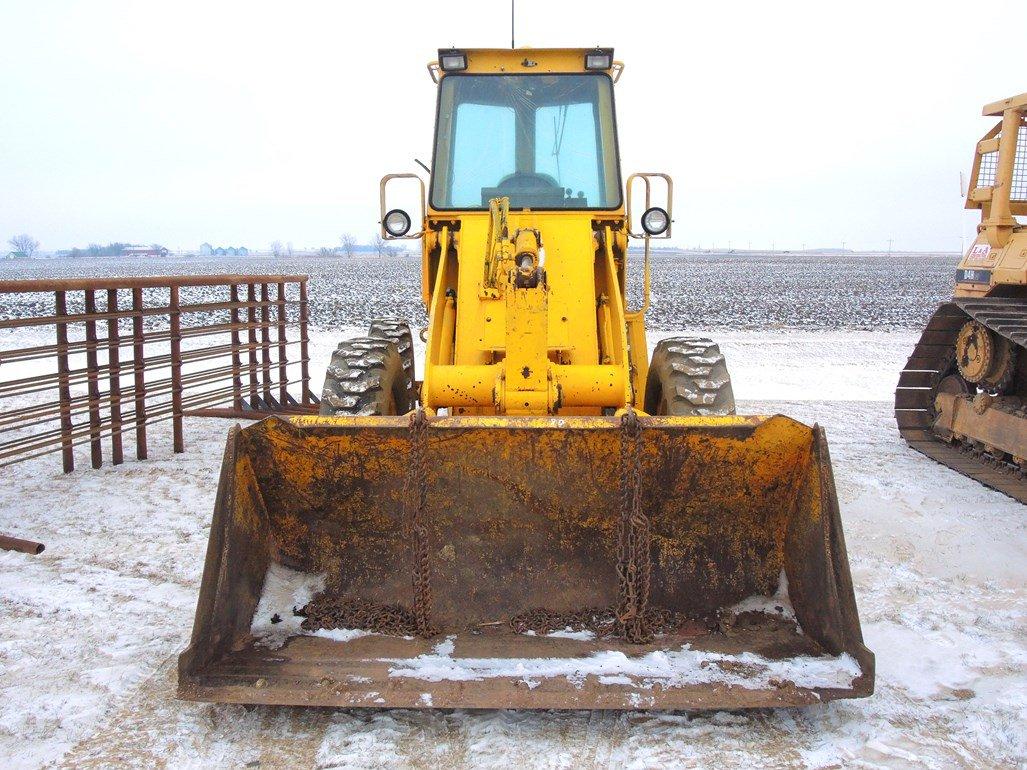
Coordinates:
[543,141]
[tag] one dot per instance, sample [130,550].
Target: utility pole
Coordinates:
[889,246]
[843,245]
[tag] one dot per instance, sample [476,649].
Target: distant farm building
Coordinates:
[16,255]
[206,249]
[228,251]
[145,251]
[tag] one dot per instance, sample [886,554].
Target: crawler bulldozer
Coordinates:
[962,397]
[548,517]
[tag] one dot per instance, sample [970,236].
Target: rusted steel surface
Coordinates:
[8,543]
[734,503]
[171,346]
[365,672]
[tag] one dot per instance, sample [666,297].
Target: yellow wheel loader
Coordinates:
[962,398]
[548,519]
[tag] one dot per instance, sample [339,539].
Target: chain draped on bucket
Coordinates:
[415,501]
[634,558]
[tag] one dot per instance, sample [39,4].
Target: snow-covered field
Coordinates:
[753,290]
[91,628]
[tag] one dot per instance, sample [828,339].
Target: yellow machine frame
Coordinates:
[996,258]
[498,348]
[524,485]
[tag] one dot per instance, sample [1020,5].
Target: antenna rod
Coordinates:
[512,24]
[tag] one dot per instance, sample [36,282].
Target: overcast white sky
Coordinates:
[243,123]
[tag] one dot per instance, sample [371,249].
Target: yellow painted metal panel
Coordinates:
[525,61]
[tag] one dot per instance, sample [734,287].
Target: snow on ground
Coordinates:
[92,627]
[284,590]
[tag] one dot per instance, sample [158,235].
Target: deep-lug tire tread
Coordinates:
[360,376]
[693,373]
[399,333]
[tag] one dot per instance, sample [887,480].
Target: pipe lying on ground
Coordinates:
[8,543]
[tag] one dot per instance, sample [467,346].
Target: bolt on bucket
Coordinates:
[526,562]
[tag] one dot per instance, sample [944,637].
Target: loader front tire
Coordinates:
[398,332]
[365,377]
[688,377]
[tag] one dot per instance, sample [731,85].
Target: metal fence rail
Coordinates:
[129,352]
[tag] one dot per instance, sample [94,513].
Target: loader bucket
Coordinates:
[749,567]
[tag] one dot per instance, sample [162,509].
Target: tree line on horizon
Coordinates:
[349,246]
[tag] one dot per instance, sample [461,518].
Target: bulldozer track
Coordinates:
[931,360]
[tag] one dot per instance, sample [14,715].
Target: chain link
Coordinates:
[634,556]
[329,610]
[416,501]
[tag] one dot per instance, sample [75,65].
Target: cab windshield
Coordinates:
[544,141]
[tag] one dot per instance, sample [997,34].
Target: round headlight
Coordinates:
[396,223]
[655,221]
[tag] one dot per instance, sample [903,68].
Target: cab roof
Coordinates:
[526,61]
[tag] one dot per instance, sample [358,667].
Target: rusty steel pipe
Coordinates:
[162,415]
[304,340]
[251,316]
[159,387]
[64,390]
[48,351]
[265,346]
[95,448]
[8,543]
[114,370]
[236,342]
[281,317]
[45,382]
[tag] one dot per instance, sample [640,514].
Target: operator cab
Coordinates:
[545,141]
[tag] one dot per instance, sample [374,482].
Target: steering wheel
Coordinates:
[523,180]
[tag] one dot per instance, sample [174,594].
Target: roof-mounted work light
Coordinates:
[452,61]
[599,59]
